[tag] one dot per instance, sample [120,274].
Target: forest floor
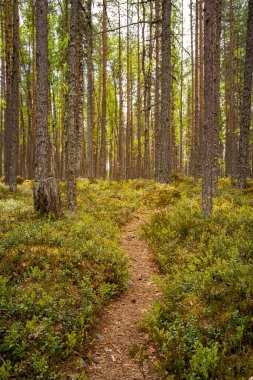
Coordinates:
[123,351]
[77,292]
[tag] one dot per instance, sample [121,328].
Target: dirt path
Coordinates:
[118,334]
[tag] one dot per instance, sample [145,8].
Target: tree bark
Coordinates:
[14,106]
[157,90]
[139,155]
[211,101]
[216,96]
[71,109]
[246,103]
[201,87]
[104,122]
[181,95]
[128,123]
[7,121]
[79,119]
[191,168]
[90,167]
[46,187]
[120,173]
[165,165]
[2,89]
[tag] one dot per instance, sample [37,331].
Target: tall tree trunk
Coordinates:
[211,101]
[181,95]
[139,156]
[23,134]
[246,103]
[157,89]
[128,123]
[191,168]
[216,96]
[196,157]
[64,91]
[120,173]
[90,165]
[33,93]
[103,124]
[201,87]
[147,105]
[71,109]
[46,188]
[7,121]
[79,119]
[14,106]
[165,146]
[2,89]
[232,132]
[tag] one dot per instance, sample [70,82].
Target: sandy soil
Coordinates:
[118,334]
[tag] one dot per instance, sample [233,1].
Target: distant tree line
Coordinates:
[110,90]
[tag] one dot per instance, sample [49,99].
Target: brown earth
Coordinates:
[118,336]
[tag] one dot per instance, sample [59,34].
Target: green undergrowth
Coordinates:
[203,324]
[58,273]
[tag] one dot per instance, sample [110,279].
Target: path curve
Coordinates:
[117,333]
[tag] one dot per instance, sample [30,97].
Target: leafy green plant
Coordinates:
[57,275]
[202,324]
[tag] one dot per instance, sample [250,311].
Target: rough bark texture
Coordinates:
[71,110]
[90,168]
[246,103]
[128,84]
[147,102]
[79,120]
[139,157]
[196,160]
[164,169]
[191,168]
[231,146]
[2,90]
[211,101]
[64,92]
[33,95]
[103,122]
[7,121]
[201,85]
[14,106]
[208,93]
[216,95]
[181,94]
[46,188]
[157,90]
[120,172]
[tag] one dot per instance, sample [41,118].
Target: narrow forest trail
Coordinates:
[118,330]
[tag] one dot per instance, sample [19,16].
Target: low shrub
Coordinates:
[160,196]
[57,275]
[202,325]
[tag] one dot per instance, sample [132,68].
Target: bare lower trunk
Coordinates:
[46,188]
[47,196]
[211,102]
